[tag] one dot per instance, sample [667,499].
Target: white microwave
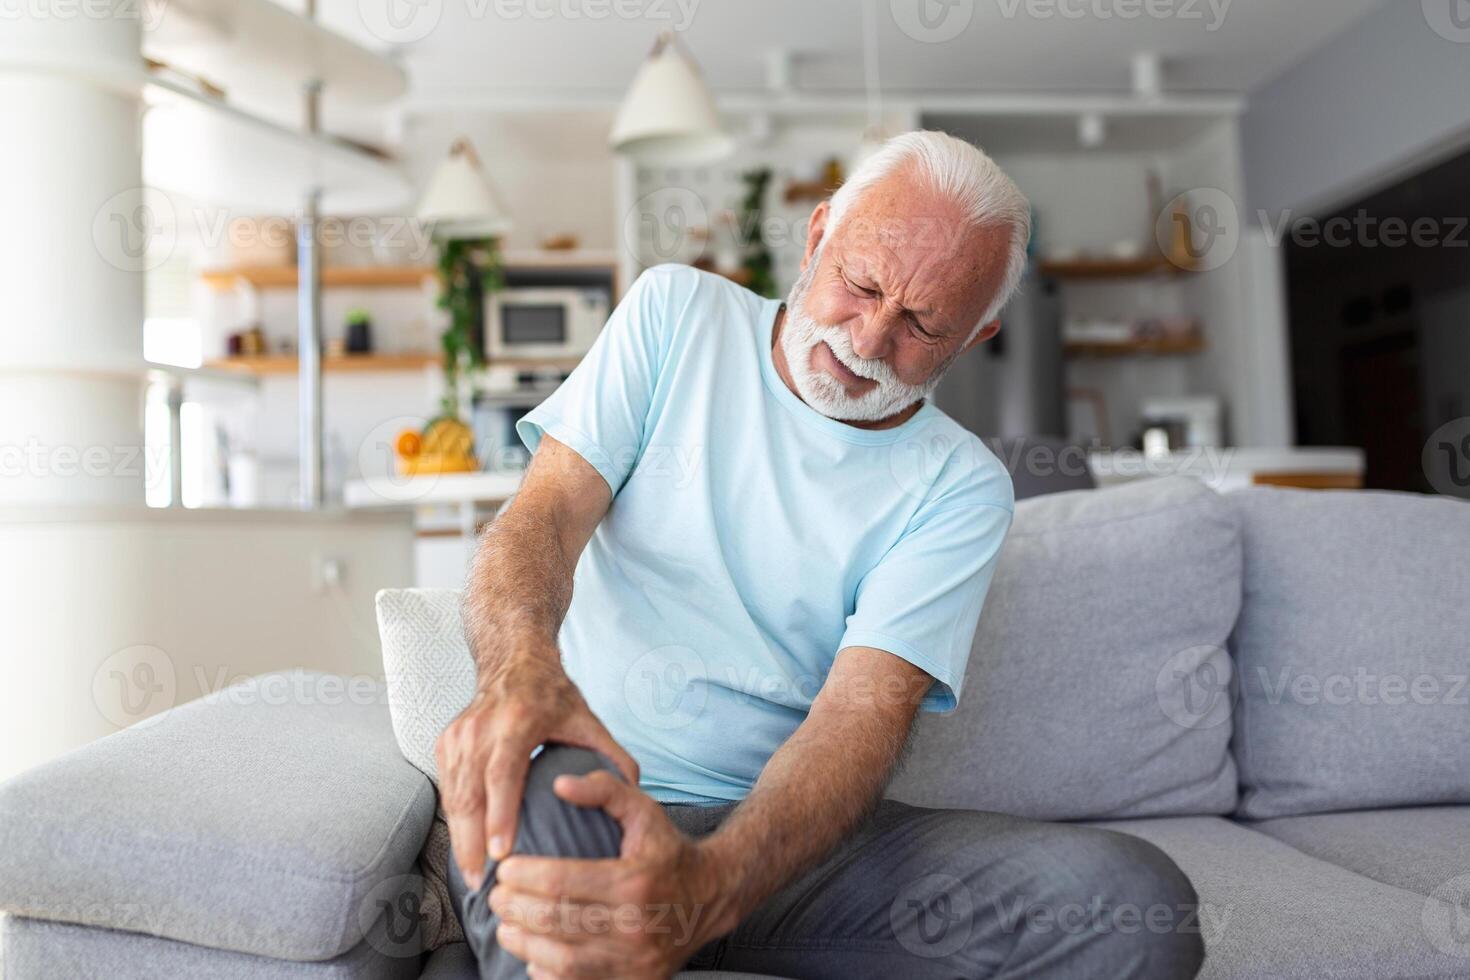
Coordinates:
[543,322]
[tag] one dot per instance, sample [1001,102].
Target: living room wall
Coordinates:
[1341,122]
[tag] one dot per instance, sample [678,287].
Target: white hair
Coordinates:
[962,173]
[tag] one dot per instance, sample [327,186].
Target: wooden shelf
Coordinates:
[264,364]
[1110,268]
[284,276]
[808,190]
[1151,347]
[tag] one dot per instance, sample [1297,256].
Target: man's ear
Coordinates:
[815,229]
[986,332]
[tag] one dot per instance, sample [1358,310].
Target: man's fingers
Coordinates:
[462,790]
[467,842]
[569,879]
[505,782]
[556,957]
[560,918]
[604,791]
[589,733]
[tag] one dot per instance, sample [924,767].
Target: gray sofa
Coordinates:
[1270,686]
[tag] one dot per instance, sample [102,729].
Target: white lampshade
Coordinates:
[668,115]
[460,203]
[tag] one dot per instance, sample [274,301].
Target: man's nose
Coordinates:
[872,336]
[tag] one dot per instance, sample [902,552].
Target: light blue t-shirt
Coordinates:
[751,538]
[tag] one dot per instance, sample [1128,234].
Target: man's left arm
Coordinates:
[812,793]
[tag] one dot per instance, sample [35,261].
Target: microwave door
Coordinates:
[533,329]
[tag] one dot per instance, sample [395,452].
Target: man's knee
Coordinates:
[1135,898]
[550,826]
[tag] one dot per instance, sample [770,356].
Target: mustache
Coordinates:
[839,341]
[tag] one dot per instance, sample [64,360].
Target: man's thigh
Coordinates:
[954,893]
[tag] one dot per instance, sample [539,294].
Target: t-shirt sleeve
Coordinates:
[922,601]
[601,410]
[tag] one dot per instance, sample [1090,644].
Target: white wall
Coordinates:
[115,615]
[1387,90]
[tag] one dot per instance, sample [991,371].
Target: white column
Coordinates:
[76,220]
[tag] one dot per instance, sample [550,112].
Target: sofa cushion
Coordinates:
[1352,650]
[1422,849]
[1270,912]
[274,817]
[37,950]
[1098,682]
[426,660]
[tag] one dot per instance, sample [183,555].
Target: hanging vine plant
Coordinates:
[469,271]
[756,259]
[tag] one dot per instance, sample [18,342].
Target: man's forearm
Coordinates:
[812,793]
[518,591]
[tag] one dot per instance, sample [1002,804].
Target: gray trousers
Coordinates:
[912,893]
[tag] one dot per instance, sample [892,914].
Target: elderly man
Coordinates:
[780,550]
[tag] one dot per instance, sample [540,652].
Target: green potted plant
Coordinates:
[469,271]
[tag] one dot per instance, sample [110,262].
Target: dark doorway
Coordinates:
[1379,302]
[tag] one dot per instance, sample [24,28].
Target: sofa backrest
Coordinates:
[1098,685]
[1353,651]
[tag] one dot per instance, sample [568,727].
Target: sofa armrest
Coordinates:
[273,817]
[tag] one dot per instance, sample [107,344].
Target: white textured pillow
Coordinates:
[428,667]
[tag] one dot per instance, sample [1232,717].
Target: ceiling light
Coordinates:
[668,116]
[460,202]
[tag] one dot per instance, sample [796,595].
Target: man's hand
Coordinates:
[484,753]
[518,592]
[641,915]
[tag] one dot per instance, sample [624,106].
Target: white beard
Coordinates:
[820,390]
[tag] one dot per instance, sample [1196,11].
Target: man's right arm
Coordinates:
[519,588]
